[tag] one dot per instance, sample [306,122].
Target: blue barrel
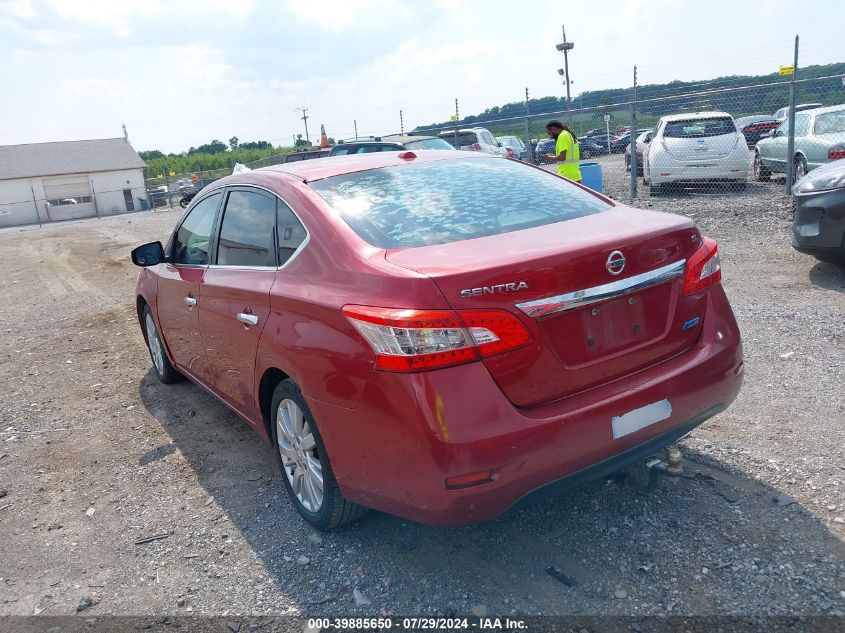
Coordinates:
[591,176]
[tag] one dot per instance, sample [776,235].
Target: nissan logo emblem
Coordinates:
[615,263]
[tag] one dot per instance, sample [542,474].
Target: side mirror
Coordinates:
[647,139]
[150,254]
[772,134]
[499,144]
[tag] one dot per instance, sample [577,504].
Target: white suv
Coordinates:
[477,139]
[696,147]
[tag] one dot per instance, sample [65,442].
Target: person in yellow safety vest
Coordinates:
[566,153]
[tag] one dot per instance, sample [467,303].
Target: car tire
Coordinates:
[800,169]
[303,460]
[164,370]
[761,172]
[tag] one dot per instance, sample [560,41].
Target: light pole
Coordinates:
[565,47]
[305,120]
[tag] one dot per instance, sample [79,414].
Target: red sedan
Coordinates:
[439,335]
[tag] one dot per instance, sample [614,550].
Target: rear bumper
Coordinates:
[819,225]
[411,432]
[665,169]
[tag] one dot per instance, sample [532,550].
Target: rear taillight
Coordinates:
[703,268]
[475,146]
[419,340]
[836,152]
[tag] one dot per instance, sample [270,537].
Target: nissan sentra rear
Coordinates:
[572,330]
[440,337]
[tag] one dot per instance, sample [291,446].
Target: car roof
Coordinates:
[406,138]
[694,115]
[308,171]
[464,129]
[824,110]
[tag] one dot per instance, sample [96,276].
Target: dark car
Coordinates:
[818,228]
[544,146]
[604,139]
[589,147]
[755,127]
[623,140]
[306,154]
[405,344]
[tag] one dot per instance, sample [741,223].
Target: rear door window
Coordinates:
[247,231]
[291,233]
[421,204]
[699,128]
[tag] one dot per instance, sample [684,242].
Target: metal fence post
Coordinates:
[632,143]
[530,152]
[790,160]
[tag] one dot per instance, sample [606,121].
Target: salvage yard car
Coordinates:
[819,139]
[687,148]
[818,227]
[441,335]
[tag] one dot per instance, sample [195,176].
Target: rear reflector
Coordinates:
[419,340]
[469,480]
[703,268]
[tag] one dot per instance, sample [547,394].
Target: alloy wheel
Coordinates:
[300,458]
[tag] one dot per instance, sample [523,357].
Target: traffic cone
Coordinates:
[324,140]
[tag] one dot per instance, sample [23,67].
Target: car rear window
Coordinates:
[422,204]
[428,143]
[696,128]
[461,140]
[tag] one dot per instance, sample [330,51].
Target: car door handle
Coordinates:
[248,319]
[190,302]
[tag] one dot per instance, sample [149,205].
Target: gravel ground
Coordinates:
[96,456]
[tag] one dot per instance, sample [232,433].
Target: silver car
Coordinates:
[819,139]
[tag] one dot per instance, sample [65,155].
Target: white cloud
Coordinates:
[20,9]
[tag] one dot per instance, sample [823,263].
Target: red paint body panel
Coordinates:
[477,428]
[532,416]
[230,347]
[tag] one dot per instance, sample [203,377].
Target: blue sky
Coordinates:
[182,72]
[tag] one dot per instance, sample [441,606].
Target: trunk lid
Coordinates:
[587,344]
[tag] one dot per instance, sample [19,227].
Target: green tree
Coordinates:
[233,143]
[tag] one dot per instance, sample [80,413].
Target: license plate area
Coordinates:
[638,419]
[605,329]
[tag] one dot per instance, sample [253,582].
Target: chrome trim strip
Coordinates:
[571,300]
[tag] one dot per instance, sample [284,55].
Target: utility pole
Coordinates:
[355,125]
[633,142]
[565,47]
[305,120]
[790,144]
[401,124]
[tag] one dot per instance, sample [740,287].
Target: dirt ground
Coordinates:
[96,456]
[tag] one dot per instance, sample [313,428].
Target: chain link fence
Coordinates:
[714,141]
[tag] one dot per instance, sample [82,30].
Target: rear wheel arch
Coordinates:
[266,387]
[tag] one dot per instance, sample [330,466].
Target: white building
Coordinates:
[46,182]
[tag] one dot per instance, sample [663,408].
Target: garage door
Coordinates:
[69,197]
